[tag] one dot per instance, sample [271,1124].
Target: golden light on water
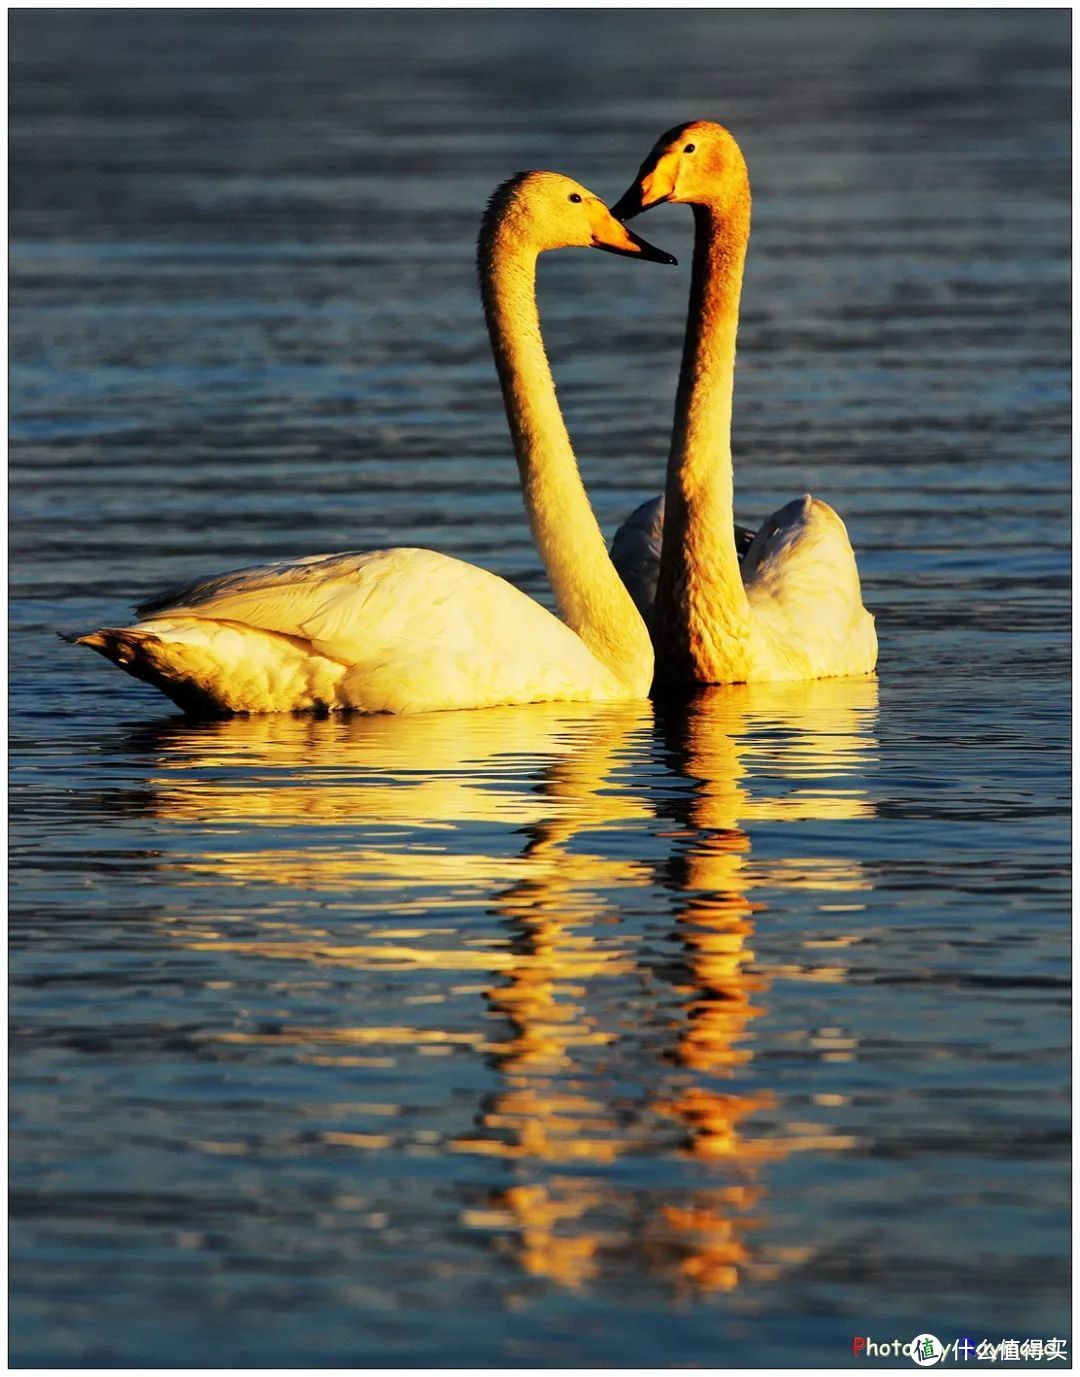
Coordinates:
[558,953]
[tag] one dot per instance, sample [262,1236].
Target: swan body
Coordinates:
[400,630]
[793,608]
[409,630]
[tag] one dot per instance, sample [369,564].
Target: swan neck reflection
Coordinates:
[497,862]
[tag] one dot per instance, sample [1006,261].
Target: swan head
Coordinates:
[698,163]
[544,210]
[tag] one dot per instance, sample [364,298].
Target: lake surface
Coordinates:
[707,1034]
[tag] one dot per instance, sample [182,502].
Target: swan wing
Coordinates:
[287,585]
[635,553]
[803,586]
[343,604]
[415,630]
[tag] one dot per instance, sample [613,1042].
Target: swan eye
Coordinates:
[689,148]
[574,197]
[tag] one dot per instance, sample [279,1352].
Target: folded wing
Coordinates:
[412,629]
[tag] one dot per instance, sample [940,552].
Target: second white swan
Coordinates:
[793,609]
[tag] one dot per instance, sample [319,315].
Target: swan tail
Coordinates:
[125,646]
[179,671]
[214,669]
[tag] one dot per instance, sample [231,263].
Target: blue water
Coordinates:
[707,1034]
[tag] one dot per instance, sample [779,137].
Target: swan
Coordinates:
[411,630]
[793,609]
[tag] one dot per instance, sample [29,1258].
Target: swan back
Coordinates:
[803,587]
[399,630]
[805,541]
[635,553]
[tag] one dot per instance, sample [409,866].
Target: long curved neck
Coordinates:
[701,610]
[591,598]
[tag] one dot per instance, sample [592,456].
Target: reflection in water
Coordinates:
[573,978]
[273,983]
[815,732]
[437,772]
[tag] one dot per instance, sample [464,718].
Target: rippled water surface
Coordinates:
[560,1035]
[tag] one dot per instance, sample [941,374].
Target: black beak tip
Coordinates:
[627,206]
[650,251]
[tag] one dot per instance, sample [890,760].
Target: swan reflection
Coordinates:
[324,784]
[494,859]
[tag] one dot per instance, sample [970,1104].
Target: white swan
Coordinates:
[794,609]
[407,630]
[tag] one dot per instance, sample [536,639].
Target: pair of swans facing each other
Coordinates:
[406,630]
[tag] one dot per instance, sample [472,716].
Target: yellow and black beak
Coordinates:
[629,203]
[654,185]
[613,237]
[634,246]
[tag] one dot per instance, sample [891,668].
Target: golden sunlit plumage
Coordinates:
[794,609]
[406,630]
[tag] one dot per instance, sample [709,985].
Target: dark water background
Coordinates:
[544,1036]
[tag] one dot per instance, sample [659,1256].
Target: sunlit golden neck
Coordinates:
[589,593]
[700,583]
